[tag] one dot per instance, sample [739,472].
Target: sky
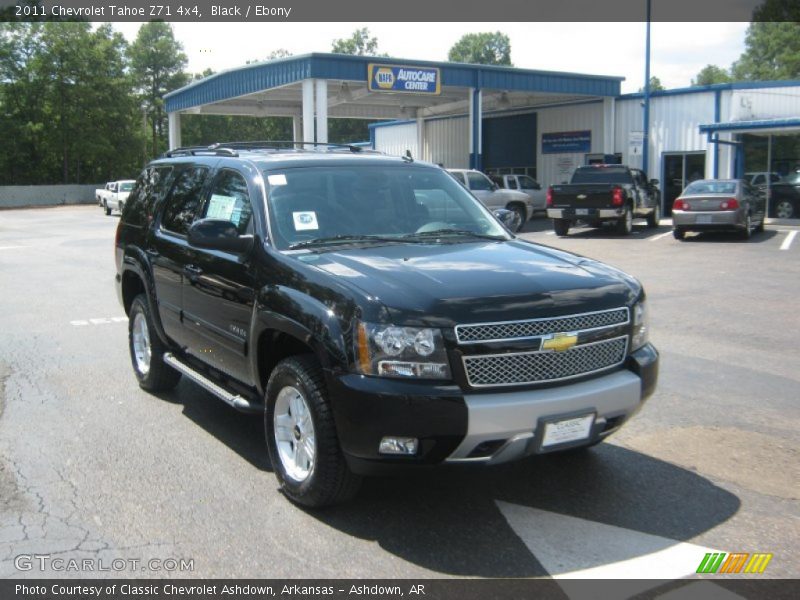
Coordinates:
[678,50]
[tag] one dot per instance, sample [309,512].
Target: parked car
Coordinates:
[374,312]
[760,178]
[525,184]
[488,192]
[113,196]
[718,205]
[601,193]
[784,199]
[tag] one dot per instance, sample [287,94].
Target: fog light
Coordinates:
[398,445]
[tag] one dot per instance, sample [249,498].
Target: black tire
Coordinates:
[654,217]
[625,224]
[761,224]
[679,234]
[561,227]
[748,229]
[107,208]
[329,481]
[519,216]
[159,376]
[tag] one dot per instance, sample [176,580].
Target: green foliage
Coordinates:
[482,49]
[711,74]
[359,43]
[157,63]
[65,104]
[772,51]
[655,85]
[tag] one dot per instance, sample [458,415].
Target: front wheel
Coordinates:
[561,227]
[654,217]
[147,351]
[519,217]
[301,436]
[625,224]
[784,209]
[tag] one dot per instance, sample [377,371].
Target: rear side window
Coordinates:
[230,201]
[479,182]
[529,184]
[148,188]
[184,199]
[601,175]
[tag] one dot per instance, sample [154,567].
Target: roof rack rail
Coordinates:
[213,149]
[283,144]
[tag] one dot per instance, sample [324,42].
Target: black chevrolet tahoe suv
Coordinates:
[375,312]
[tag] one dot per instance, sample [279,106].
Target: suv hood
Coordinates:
[446,284]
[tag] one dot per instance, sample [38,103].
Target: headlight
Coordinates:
[392,351]
[641,326]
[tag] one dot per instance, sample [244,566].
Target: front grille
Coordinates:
[512,330]
[543,366]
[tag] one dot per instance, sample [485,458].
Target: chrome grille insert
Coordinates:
[544,366]
[516,330]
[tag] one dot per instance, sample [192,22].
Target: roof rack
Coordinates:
[213,150]
[283,144]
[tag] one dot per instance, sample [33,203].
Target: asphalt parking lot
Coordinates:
[93,467]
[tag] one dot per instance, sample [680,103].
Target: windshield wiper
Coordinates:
[343,239]
[446,231]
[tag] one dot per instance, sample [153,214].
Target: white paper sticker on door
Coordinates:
[305,220]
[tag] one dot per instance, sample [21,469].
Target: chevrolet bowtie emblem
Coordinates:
[558,342]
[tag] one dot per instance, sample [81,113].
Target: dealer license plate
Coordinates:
[581,211]
[567,430]
[704,219]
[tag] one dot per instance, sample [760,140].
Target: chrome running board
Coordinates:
[235,400]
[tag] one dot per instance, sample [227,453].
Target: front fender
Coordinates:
[286,310]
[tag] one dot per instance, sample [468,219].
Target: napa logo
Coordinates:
[384,78]
[735,562]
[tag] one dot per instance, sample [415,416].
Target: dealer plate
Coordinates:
[581,211]
[704,219]
[567,430]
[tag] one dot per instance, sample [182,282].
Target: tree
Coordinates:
[772,51]
[279,53]
[482,49]
[359,43]
[711,74]
[157,63]
[655,85]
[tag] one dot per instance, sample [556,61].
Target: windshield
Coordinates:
[710,187]
[126,187]
[380,204]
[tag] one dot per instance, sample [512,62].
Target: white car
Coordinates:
[494,197]
[525,184]
[114,195]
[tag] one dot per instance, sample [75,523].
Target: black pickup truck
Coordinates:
[373,311]
[604,193]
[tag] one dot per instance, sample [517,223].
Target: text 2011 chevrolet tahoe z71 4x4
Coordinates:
[374,311]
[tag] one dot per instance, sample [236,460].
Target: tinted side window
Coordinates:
[528,184]
[512,183]
[230,201]
[146,191]
[184,199]
[459,177]
[479,182]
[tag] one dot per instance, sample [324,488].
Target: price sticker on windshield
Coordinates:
[305,220]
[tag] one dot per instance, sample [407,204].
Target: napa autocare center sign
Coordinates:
[562,142]
[404,78]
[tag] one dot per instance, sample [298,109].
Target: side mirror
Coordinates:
[506,217]
[219,234]
[654,182]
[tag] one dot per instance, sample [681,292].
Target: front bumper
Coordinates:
[486,428]
[710,220]
[585,213]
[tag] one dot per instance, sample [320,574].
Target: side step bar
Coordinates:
[235,400]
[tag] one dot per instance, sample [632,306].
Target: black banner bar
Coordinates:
[388,589]
[270,11]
